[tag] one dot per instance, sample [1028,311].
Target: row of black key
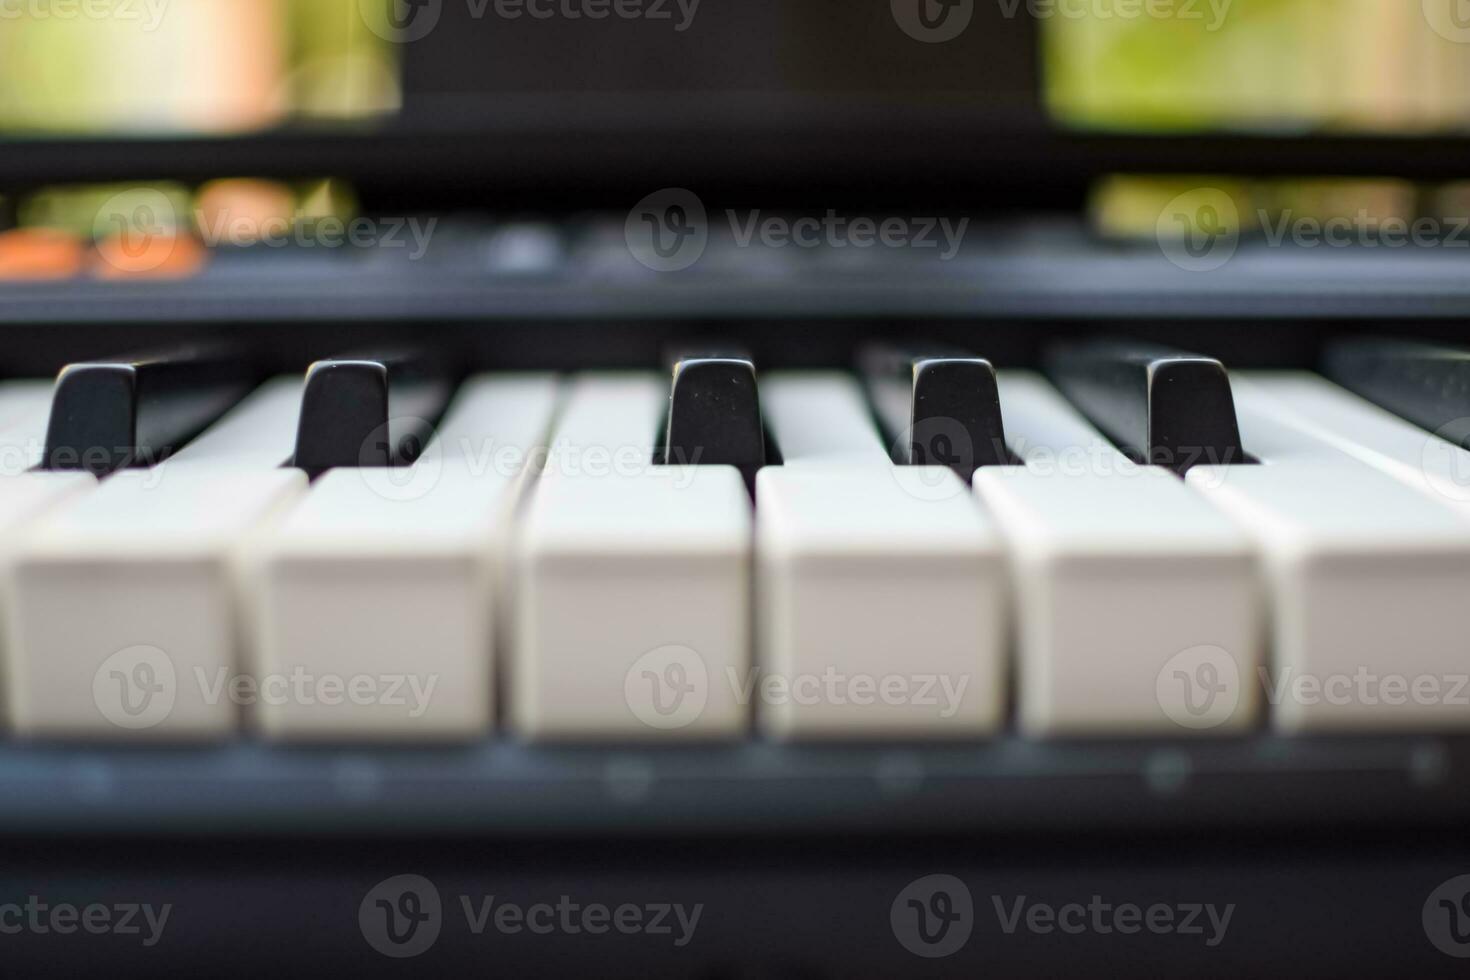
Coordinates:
[938,405]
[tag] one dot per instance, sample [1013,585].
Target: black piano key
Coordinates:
[139,409]
[373,409]
[940,406]
[714,415]
[1427,384]
[1159,405]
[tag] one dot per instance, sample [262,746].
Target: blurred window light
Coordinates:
[186,66]
[1261,65]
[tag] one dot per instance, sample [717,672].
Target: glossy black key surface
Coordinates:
[373,409]
[714,413]
[1427,384]
[1159,405]
[939,406]
[139,409]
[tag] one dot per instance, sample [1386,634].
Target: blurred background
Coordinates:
[207,66]
[221,66]
[165,68]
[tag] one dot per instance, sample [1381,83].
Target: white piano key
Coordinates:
[1136,602]
[25,409]
[385,579]
[25,402]
[1356,427]
[821,418]
[632,580]
[1367,579]
[881,589]
[124,603]
[258,433]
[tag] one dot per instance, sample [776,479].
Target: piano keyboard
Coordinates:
[1132,543]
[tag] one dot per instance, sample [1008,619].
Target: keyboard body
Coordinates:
[1327,846]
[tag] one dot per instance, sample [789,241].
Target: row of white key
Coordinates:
[884,597]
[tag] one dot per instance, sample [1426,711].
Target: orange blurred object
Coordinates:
[40,253]
[242,211]
[162,255]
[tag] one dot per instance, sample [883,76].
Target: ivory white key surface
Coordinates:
[1136,601]
[124,604]
[1367,576]
[632,581]
[258,433]
[25,409]
[21,400]
[384,579]
[821,418]
[24,499]
[1356,427]
[881,589]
